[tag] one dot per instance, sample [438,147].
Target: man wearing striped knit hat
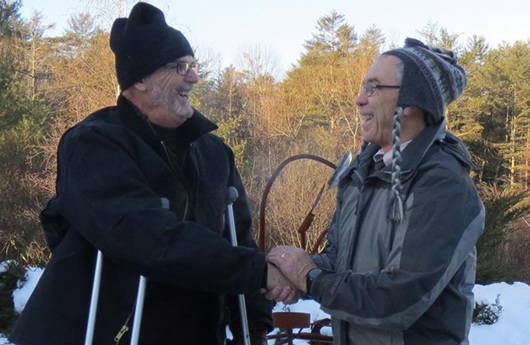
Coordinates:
[399,265]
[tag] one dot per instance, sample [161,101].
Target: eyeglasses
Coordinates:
[370,88]
[183,67]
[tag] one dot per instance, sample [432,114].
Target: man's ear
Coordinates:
[416,115]
[412,110]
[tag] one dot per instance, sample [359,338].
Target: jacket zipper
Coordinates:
[195,181]
[124,329]
[175,171]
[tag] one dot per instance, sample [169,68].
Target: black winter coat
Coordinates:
[114,182]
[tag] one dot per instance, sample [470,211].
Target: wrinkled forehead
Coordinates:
[386,69]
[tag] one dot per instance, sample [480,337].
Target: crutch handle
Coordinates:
[232,194]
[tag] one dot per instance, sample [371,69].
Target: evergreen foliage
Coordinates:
[10,274]
[503,207]
[10,20]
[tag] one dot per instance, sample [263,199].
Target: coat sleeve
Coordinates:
[444,218]
[106,197]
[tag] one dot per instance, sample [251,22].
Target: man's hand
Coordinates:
[294,263]
[278,286]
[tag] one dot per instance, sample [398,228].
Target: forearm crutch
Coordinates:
[140,298]
[232,196]
[137,322]
[89,336]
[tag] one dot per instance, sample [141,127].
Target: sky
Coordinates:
[281,27]
[510,329]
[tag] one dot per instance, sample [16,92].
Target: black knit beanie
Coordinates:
[143,43]
[431,78]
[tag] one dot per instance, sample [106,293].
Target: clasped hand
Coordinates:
[287,270]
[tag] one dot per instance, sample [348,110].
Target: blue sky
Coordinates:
[281,27]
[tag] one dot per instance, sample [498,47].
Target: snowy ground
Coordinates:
[512,327]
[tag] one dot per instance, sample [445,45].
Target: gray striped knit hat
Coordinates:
[431,78]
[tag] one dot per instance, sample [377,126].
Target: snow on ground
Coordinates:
[510,329]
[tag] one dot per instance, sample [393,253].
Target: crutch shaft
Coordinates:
[140,297]
[89,336]
[232,196]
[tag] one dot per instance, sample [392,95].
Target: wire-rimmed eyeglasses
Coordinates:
[183,67]
[370,88]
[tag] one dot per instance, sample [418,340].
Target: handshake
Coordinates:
[287,268]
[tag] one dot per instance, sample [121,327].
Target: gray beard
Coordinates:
[167,101]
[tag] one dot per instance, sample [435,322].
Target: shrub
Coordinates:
[487,314]
[10,273]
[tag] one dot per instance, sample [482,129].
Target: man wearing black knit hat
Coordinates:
[399,266]
[145,184]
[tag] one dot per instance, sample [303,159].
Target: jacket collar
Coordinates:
[191,130]
[418,147]
[412,155]
[436,135]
